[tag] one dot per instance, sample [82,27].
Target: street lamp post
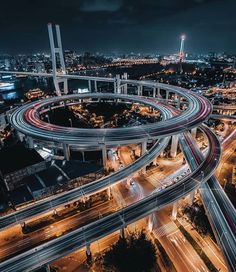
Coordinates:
[225,182]
[70,122]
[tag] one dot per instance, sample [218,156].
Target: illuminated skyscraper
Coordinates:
[181,52]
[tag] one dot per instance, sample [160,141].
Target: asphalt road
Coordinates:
[220,211]
[198,110]
[26,120]
[65,244]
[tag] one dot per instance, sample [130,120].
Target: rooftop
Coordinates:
[17,157]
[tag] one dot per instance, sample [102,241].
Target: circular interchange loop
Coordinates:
[198,110]
[26,120]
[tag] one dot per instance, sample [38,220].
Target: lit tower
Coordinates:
[57,54]
[181,52]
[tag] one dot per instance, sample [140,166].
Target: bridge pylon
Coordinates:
[57,57]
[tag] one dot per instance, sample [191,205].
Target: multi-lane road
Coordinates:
[198,111]
[27,120]
[220,211]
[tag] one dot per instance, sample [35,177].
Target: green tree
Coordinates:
[134,254]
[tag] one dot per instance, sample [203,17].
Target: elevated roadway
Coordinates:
[198,111]
[219,209]
[27,121]
[81,237]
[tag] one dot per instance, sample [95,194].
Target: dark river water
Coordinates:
[23,85]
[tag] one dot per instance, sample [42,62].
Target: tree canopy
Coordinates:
[133,254]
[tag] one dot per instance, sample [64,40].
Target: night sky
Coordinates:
[146,26]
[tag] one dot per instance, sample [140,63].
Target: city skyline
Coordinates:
[131,26]
[118,136]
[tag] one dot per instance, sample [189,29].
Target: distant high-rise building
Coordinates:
[7,64]
[39,67]
[181,52]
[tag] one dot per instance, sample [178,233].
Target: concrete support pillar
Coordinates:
[191,198]
[143,151]
[88,250]
[174,145]
[150,222]
[144,148]
[7,118]
[125,76]
[66,151]
[154,92]
[115,91]
[109,194]
[1,143]
[162,154]
[122,233]
[194,133]
[167,94]
[174,210]
[83,158]
[65,87]
[140,90]
[118,89]
[121,89]
[178,102]
[158,92]
[30,142]
[89,86]
[104,157]
[47,266]
[54,149]
[95,86]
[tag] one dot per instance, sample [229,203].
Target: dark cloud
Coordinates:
[121,25]
[101,5]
